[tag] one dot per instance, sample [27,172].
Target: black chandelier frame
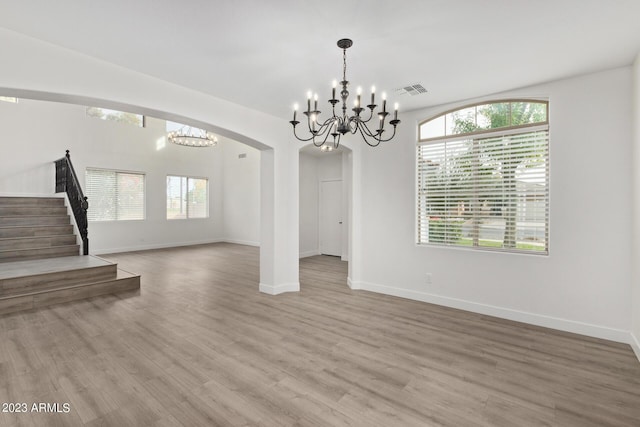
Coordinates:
[341,124]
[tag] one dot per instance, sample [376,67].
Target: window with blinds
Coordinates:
[115,195]
[483,179]
[187,197]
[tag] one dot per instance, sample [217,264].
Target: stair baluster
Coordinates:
[67,181]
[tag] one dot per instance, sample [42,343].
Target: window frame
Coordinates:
[119,171]
[111,118]
[187,217]
[478,135]
[483,131]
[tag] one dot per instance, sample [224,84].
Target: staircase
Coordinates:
[40,263]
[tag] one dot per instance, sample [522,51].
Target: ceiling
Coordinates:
[267,54]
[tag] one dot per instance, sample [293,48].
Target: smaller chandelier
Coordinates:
[341,123]
[192,137]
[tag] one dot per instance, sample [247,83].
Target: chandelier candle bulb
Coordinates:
[373,95]
[333,91]
[315,102]
[395,114]
[295,111]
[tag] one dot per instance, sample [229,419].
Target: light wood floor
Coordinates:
[200,346]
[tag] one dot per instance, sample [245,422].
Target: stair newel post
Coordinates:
[67,181]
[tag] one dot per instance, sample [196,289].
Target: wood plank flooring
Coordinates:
[198,345]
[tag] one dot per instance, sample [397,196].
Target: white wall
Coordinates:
[241,189]
[583,285]
[234,184]
[92,142]
[312,170]
[635,235]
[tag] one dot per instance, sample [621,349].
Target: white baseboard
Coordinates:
[136,248]
[354,285]
[279,289]
[581,328]
[241,242]
[635,345]
[309,253]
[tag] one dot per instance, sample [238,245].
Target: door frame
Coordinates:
[342,220]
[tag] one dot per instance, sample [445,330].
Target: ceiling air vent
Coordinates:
[413,90]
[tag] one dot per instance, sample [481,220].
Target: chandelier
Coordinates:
[192,137]
[341,123]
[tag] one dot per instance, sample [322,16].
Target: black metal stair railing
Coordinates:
[67,181]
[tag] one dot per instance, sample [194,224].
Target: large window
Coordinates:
[187,197]
[114,195]
[116,116]
[483,177]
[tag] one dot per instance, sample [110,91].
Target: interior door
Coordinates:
[330,228]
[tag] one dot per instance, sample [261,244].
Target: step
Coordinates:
[36,242]
[34,220]
[38,253]
[28,276]
[31,201]
[33,210]
[35,231]
[124,281]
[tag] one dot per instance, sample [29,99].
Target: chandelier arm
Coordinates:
[322,127]
[364,128]
[369,118]
[366,136]
[391,137]
[323,141]
[380,139]
[301,139]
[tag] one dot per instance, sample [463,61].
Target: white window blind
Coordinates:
[114,195]
[487,191]
[187,197]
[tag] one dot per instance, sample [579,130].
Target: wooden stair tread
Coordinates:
[121,275]
[123,282]
[8,227]
[43,236]
[31,201]
[15,269]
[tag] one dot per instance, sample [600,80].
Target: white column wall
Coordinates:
[635,234]
[241,188]
[40,70]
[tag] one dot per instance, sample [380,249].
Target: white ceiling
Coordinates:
[267,54]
